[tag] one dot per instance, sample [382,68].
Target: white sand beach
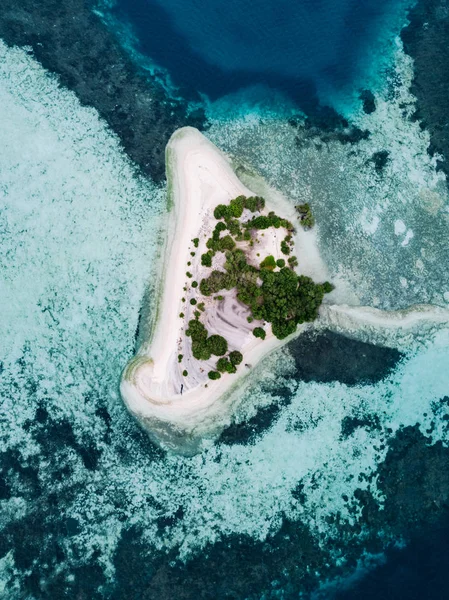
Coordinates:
[200,177]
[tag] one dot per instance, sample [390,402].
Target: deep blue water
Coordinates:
[220,47]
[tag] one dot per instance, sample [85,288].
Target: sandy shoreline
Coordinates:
[200,177]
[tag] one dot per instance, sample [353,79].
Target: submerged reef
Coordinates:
[426,40]
[69,39]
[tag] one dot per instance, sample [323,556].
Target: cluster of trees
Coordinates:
[202,345]
[268,263]
[284,299]
[236,206]
[305,215]
[264,222]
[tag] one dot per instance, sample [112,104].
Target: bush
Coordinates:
[196,331]
[222,212]
[254,203]
[220,226]
[285,248]
[196,241]
[280,263]
[258,332]
[192,253]
[235,357]
[194,284]
[189,274]
[327,287]
[214,375]
[197,314]
[200,350]
[181,315]
[268,263]
[292,262]
[192,301]
[236,206]
[206,259]
[201,306]
[179,358]
[217,345]
[185,373]
[222,364]
[204,287]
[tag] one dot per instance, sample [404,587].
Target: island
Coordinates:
[230,293]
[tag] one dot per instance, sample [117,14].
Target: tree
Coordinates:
[258,332]
[235,357]
[214,375]
[217,345]
[268,263]
[206,259]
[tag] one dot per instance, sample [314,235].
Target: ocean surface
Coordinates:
[332,480]
[303,49]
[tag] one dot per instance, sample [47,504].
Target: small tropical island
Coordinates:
[230,293]
[238,280]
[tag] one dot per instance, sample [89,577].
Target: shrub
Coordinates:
[194,284]
[192,301]
[249,319]
[280,263]
[292,262]
[217,345]
[327,287]
[201,306]
[222,365]
[197,314]
[181,315]
[285,248]
[185,373]
[254,203]
[268,263]
[220,226]
[247,236]
[196,331]
[305,215]
[189,274]
[206,259]
[235,357]
[204,287]
[214,375]
[192,254]
[236,206]
[179,358]
[196,241]
[200,350]
[221,212]
[258,332]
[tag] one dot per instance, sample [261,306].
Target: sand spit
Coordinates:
[199,178]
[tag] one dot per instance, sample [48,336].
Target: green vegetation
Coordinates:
[258,332]
[189,274]
[273,292]
[192,254]
[305,215]
[217,345]
[225,366]
[185,373]
[181,315]
[285,248]
[203,346]
[206,259]
[235,357]
[268,263]
[179,358]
